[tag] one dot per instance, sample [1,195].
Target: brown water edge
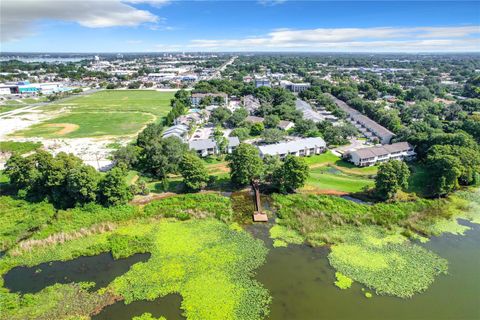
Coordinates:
[168,307]
[101,269]
[300,281]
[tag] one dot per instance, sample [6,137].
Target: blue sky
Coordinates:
[163,25]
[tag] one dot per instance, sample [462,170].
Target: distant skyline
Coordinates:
[279,25]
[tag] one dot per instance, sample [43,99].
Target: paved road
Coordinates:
[217,73]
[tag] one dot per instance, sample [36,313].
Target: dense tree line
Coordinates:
[65,181]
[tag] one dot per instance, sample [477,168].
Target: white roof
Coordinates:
[233,141]
[292,146]
[202,144]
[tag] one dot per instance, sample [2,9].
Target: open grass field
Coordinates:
[19,147]
[104,113]
[10,105]
[90,124]
[330,174]
[148,101]
[328,179]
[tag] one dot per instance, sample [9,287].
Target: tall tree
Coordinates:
[245,164]
[113,189]
[291,175]
[445,171]
[82,184]
[21,171]
[392,176]
[193,171]
[162,156]
[152,132]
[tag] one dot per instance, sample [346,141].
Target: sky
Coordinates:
[255,25]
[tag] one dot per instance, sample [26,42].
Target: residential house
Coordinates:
[300,148]
[262,82]
[209,147]
[254,119]
[196,98]
[180,131]
[204,147]
[367,126]
[251,103]
[374,155]
[309,113]
[285,125]
[233,143]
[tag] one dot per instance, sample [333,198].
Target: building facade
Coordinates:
[370,156]
[299,148]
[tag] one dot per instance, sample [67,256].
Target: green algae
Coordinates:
[343,282]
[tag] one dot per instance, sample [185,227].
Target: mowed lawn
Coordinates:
[329,173]
[325,179]
[104,113]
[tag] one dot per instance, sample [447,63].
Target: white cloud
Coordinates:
[156,3]
[464,38]
[271,2]
[18,17]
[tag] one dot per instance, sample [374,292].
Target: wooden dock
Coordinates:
[260,217]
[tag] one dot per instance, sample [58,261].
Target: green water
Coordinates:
[300,281]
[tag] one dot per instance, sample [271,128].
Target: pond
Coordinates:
[300,281]
[168,307]
[101,269]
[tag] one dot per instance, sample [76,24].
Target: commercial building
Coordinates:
[300,148]
[25,87]
[367,126]
[262,82]
[370,156]
[295,87]
[8,89]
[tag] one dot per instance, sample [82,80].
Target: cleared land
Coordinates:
[104,113]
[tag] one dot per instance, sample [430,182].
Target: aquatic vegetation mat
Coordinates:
[370,243]
[343,282]
[207,262]
[282,236]
[385,264]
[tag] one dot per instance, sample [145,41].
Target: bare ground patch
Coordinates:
[65,127]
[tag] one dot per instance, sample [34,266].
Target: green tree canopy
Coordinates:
[245,164]
[391,177]
[113,190]
[291,175]
[193,171]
